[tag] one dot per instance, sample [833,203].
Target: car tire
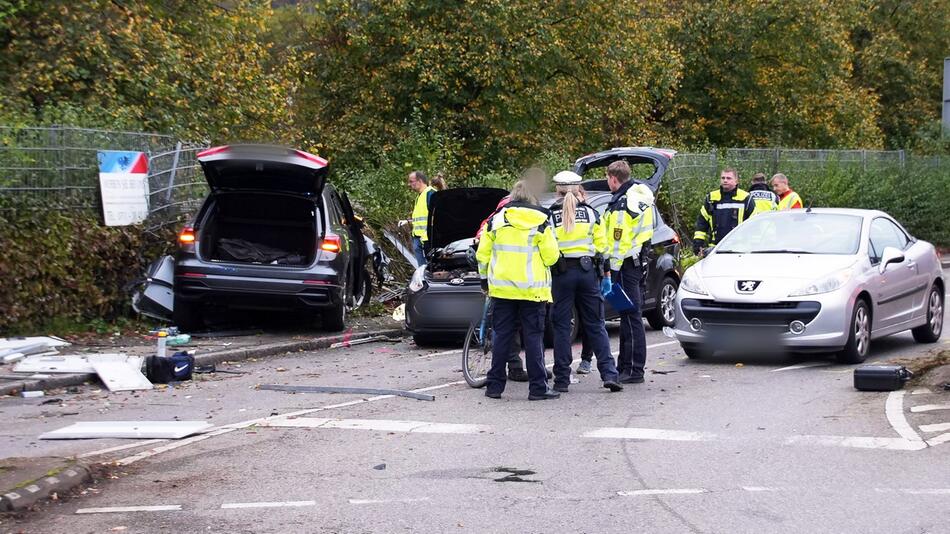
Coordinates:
[334,318]
[363,294]
[696,352]
[665,312]
[187,316]
[930,331]
[859,336]
[549,328]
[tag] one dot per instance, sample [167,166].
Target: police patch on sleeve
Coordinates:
[618,233]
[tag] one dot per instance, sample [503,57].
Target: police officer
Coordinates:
[764,199]
[722,210]
[577,274]
[629,228]
[514,257]
[418,182]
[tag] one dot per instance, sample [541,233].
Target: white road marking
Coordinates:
[930,408]
[648,433]
[756,489]
[939,440]
[680,491]
[920,391]
[384,425]
[280,504]
[893,444]
[653,346]
[386,501]
[938,427]
[121,447]
[437,354]
[119,509]
[894,410]
[801,366]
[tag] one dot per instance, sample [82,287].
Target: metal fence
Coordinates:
[56,168]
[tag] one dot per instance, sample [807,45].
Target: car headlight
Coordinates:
[825,284]
[693,283]
[418,280]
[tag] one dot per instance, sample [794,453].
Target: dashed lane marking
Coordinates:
[939,440]
[648,434]
[893,444]
[938,427]
[121,447]
[759,489]
[387,501]
[801,366]
[384,425]
[121,509]
[437,354]
[675,491]
[653,346]
[279,504]
[930,408]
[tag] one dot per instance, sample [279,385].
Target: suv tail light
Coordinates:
[331,243]
[186,239]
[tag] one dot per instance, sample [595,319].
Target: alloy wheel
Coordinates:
[935,309]
[862,333]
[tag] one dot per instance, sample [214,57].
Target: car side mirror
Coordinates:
[889,256]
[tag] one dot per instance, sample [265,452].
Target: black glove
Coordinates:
[697,247]
[484,284]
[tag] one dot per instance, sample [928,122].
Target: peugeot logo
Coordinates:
[747,286]
[457,281]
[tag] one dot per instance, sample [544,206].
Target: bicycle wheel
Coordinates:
[476,353]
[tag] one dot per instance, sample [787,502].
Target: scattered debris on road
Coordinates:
[346,390]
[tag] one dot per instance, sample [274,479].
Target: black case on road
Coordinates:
[881,377]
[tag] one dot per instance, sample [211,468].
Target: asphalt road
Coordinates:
[776,444]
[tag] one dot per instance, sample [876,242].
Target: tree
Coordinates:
[193,68]
[508,79]
[772,73]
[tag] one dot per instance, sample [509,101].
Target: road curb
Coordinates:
[260,351]
[19,500]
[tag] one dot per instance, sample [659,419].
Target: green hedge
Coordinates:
[916,195]
[64,266]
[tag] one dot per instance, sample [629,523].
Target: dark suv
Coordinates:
[445,295]
[271,235]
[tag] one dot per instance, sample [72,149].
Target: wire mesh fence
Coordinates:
[56,167]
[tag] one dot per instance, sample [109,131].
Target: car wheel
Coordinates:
[665,312]
[859,336]
[334,318]
[549,328]
[187,316]
[930,331]
[363,294]
[696,352]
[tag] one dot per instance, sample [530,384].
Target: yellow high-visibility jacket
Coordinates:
[420,215]
[588,238]
[516,252]
[629,222]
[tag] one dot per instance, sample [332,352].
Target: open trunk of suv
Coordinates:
[260,228]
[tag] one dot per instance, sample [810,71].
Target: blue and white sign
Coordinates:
[123,182]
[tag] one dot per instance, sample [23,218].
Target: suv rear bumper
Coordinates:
[257,293]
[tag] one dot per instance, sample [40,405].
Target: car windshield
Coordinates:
[795,233]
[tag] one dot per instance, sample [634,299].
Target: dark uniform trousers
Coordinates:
[577,287]
[633,338]
[506,314]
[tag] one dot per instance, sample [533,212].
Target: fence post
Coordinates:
[864,160]
[776,154]
[902,157]
[171,175]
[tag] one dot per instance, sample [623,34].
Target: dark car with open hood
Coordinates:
[444,296]
[272,234]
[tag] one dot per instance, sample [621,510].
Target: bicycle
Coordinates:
[477,351]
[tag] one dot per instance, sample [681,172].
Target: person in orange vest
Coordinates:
[787,199]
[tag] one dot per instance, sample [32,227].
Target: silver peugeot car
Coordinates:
[816,280]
